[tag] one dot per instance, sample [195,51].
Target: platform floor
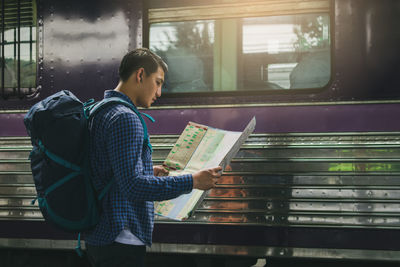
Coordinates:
[61,258]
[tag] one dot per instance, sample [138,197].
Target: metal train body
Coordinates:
[320,177]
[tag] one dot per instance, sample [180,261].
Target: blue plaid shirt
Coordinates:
[117,152]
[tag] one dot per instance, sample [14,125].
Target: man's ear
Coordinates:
[139,75]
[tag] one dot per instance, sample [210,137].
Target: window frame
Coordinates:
[225,97]
[34,43]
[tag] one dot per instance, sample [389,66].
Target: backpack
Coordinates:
[60,163]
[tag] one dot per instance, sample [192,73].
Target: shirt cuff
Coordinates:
[187,183]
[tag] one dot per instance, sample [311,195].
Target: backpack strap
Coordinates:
[57,159]
[90,109]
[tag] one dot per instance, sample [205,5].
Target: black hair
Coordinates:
[140,58]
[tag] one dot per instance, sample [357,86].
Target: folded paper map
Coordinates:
[199,147]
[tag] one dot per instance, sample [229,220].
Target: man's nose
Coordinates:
[158,94]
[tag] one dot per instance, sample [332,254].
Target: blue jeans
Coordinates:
[116,255]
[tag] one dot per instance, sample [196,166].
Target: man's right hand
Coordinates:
[206,179]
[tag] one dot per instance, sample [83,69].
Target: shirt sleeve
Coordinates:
[124,147]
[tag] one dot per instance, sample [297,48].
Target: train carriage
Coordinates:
[319,178]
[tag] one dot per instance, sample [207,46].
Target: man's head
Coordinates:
[141,76]
[140,58]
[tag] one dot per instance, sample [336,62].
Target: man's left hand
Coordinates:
[159,170]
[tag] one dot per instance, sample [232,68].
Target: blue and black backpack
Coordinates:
[59,131]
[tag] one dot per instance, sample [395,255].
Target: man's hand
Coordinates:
[159,170]
[206,179]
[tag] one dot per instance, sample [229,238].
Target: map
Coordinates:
[199,147]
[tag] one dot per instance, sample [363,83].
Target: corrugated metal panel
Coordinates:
[321,180]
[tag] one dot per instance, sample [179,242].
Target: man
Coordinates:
[120,153]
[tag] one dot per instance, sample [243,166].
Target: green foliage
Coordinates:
[310,33]
[193,36]
[27,73]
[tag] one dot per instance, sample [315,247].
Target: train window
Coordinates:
[259,52]
[18,48]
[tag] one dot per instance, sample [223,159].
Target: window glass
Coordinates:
[245,54]
[188,49]
[18,49]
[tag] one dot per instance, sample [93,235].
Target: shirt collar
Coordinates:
[113,93]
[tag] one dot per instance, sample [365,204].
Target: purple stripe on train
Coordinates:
[342,118]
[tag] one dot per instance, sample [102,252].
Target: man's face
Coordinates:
[151,88]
